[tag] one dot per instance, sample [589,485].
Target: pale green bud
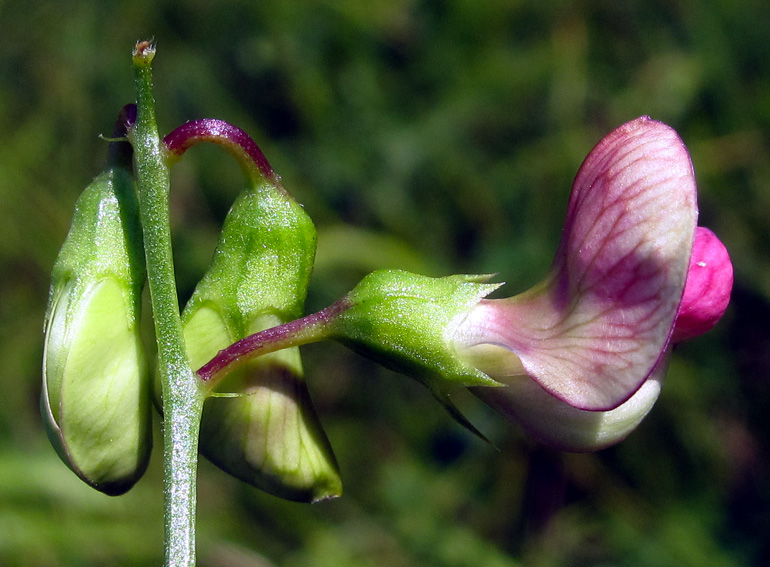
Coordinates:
[95,397]
[260,426]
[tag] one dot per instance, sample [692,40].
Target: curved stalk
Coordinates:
[233,139]
[309,329]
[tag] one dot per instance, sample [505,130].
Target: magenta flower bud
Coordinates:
[707,292]
[583,353]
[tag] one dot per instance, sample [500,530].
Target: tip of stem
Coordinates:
[144,52]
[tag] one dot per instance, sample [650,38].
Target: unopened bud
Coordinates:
[95,397]
[260,425]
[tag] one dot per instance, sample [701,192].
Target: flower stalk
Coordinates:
[309,329]
[233,139]
[182,396]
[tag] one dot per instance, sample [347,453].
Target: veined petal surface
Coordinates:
[596,327]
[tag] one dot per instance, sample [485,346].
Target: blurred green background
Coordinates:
[433,136]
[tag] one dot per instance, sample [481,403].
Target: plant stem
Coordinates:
[182,396]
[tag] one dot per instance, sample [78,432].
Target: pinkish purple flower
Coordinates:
[709,283]
[583,353]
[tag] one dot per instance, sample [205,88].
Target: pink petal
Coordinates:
[593,331]
[707,292]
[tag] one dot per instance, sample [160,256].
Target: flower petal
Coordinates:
[565,427]
[597,326]
[707,292]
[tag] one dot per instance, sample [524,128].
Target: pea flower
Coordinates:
[579,359]
[583,354]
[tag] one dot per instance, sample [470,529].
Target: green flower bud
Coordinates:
[260,426]
[95,397]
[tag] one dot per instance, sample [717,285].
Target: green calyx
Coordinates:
[95,398]
[259,425]
[404,321]
[263,261]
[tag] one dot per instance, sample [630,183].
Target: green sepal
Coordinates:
[404,321]
[263,261]
[96,399]
[260,425]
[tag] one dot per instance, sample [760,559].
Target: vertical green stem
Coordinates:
[182,396]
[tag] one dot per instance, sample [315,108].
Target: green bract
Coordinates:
[95,397]
[260,426]
[405,322]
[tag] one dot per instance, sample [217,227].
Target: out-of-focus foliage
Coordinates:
[433,136]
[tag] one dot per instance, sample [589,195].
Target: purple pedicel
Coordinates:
[273,339]
[238,142]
